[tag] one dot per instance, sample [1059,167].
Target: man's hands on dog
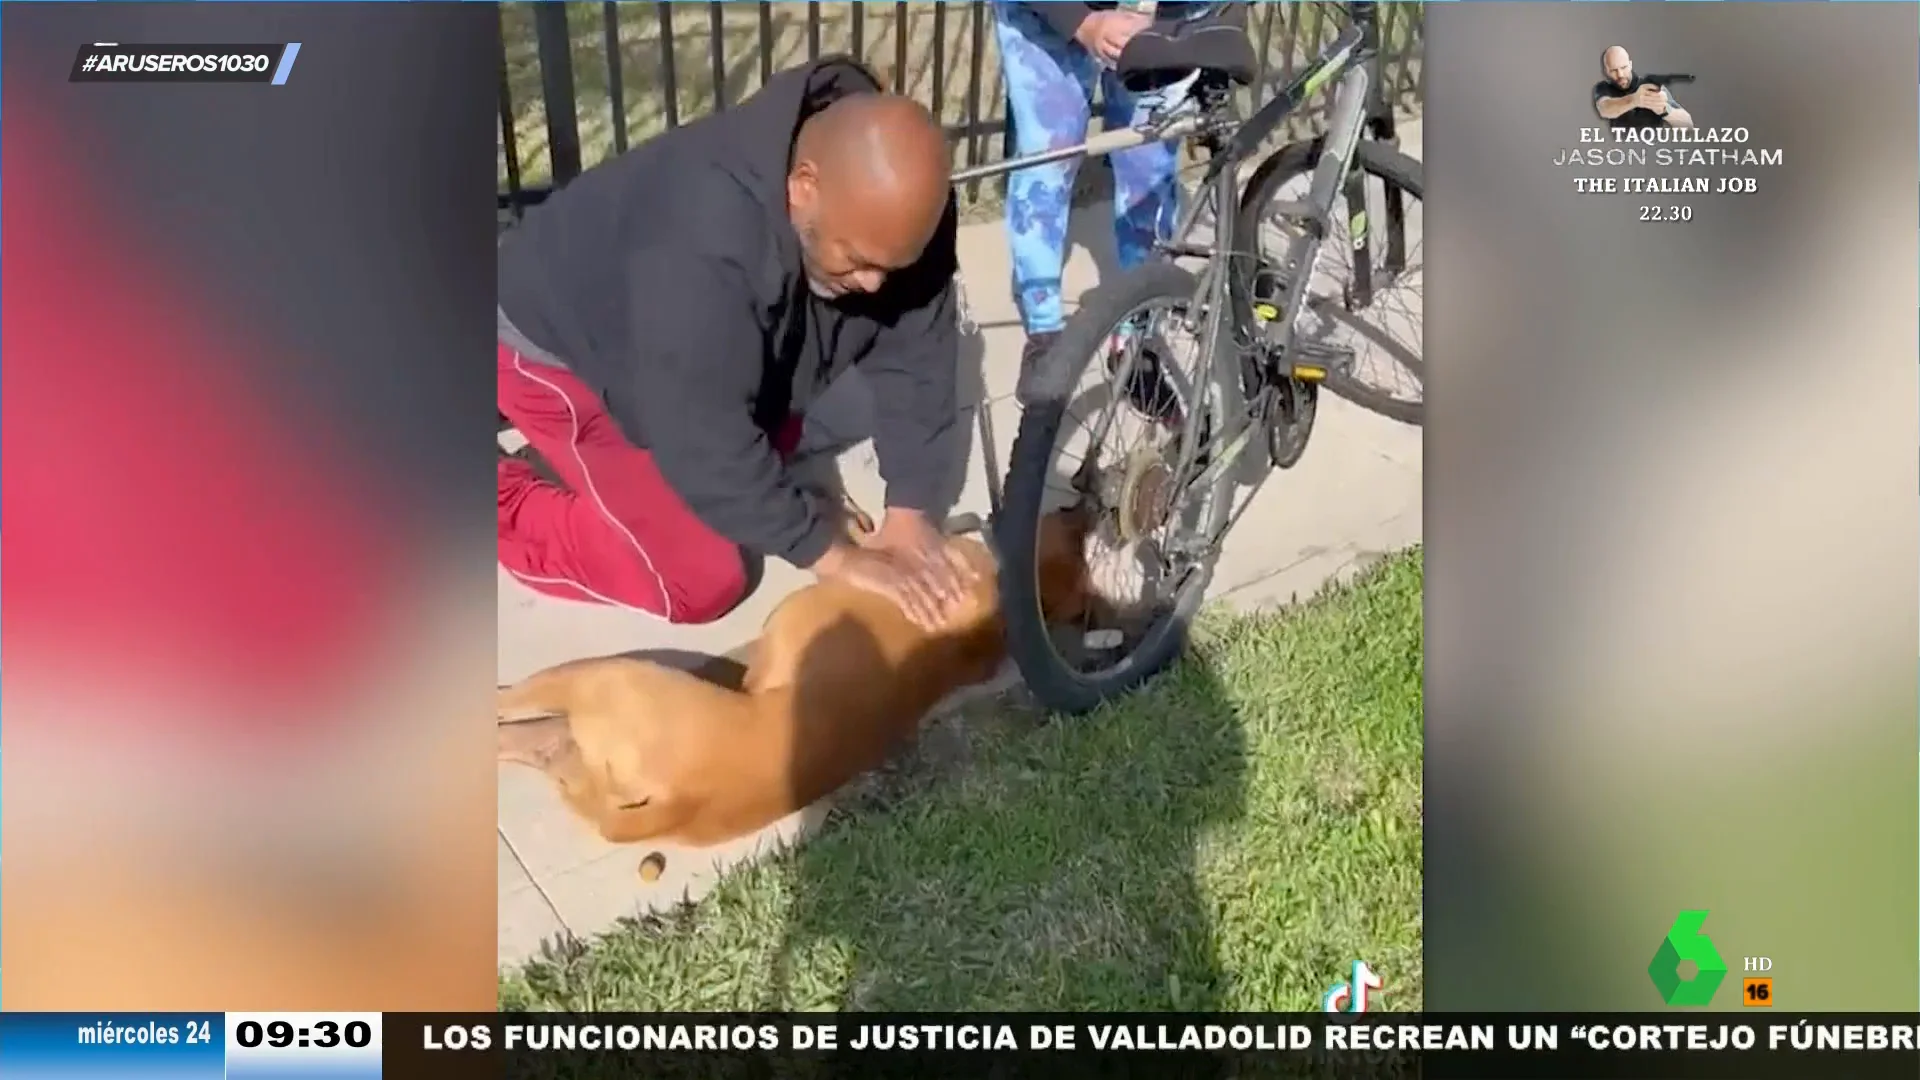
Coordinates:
[879,572]
[913,537]
[908,561]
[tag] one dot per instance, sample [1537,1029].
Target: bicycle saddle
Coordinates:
[1212,38]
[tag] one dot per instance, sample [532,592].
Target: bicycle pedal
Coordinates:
[1312,364]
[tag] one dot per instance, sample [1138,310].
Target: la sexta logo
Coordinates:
[1685,941]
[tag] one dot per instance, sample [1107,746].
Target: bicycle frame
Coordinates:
[1360,41]
[1380,128]
[1206,113]
[1222,192]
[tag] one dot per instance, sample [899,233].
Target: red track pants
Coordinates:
[615,533]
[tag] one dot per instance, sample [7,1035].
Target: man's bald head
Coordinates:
[868,186]
[1617,65]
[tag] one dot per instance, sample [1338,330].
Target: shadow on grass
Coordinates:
[1002,863]
[1015,864]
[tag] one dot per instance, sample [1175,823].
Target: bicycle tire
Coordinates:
[1281,168]
[1054,683]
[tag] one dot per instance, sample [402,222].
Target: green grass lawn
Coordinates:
[1232,837]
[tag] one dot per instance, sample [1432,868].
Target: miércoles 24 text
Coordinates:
[926,1036]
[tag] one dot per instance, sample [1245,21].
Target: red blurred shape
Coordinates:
[158,507]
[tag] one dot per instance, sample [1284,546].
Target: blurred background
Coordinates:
[1671,528]
[249,567]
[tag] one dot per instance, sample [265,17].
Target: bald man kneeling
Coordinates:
[666,316]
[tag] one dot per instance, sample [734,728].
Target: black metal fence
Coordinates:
[923,62]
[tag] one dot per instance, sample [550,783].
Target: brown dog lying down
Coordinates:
[836,681]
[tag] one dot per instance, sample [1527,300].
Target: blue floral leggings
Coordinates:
[1050,82]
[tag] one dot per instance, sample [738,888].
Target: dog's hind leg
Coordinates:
[558,690]
[544,742]
[539,696]
[531,720]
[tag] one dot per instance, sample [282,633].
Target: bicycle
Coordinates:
[1258,373]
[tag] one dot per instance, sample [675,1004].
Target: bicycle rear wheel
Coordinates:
[1148,511]
[1372,356]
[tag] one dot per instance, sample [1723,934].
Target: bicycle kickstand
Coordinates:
[983,416]
[983,412]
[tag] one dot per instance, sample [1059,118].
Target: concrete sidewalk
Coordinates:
[1356,493]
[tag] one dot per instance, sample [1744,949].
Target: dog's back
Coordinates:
[837,680]
[847,677]
[796,645]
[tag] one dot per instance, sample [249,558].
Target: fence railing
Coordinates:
[580,82]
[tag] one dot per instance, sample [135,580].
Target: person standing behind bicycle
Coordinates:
[1053,55]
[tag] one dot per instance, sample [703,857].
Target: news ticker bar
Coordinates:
[109,61]
[352,1046]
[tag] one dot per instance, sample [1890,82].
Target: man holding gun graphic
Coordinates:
[1626,100]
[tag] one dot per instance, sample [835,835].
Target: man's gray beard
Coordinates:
[808,238]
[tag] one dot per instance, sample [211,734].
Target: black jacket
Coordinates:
[669,279]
